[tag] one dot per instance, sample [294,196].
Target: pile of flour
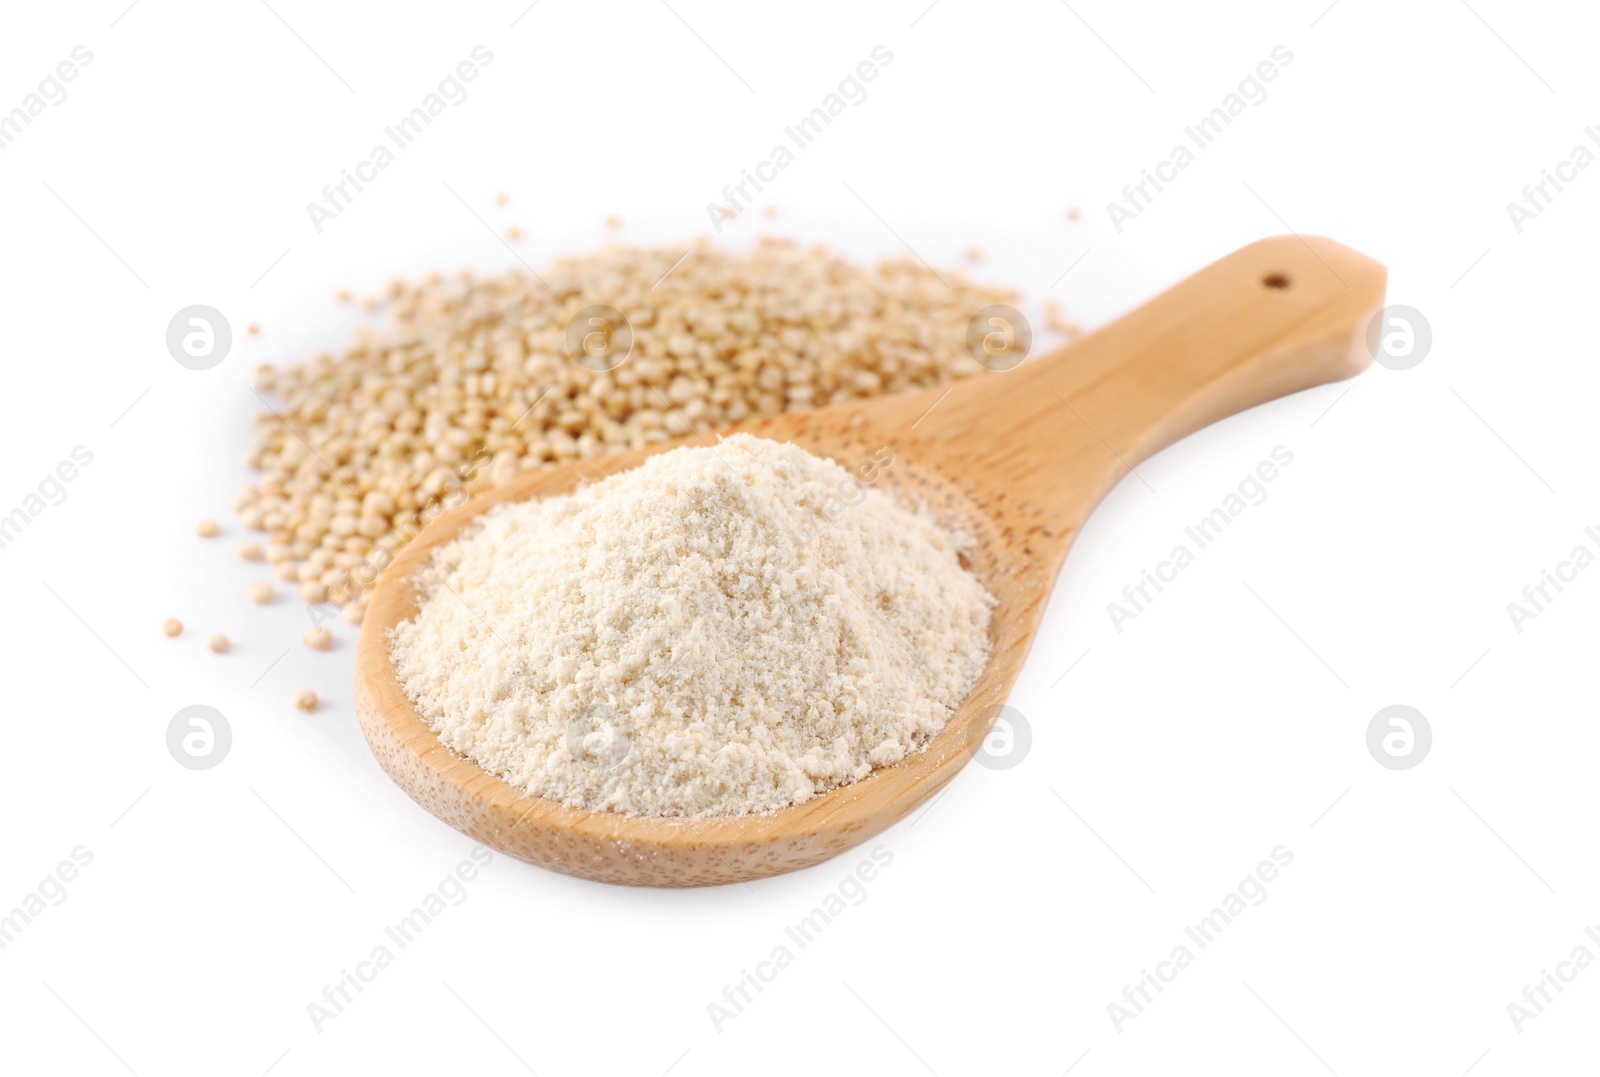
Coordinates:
[706,634]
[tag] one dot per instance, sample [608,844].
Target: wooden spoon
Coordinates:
[1017,458]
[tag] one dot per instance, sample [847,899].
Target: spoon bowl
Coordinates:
[1017,459]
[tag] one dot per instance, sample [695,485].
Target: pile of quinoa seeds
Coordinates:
[473,381]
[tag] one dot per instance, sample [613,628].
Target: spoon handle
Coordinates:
[1281,315]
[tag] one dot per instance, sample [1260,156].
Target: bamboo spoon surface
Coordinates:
[1018,459]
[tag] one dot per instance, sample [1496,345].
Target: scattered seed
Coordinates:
[253,329]
[207,529]
[974,254]
[260,592]
[249,549]
[502,199]
[513,233]
[613,221]
[1056,320]
[217,642]
[342,295]
[172,627]
[1074,212]
[305,699]
[770,210]
[318,639]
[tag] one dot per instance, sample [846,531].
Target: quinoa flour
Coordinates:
[696,636]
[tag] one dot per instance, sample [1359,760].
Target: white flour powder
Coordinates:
[706,634]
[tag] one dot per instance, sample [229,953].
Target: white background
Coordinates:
[1226,720]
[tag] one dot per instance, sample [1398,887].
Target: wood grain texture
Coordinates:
[1018,459]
